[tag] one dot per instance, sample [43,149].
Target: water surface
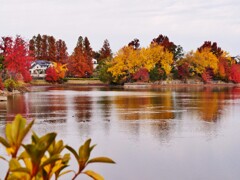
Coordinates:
[168,134]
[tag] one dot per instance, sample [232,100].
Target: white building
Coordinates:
[39,67]
[95,63]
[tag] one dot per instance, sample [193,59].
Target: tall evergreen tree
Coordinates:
[38,51]
[32,47]
[62,54]
[78,65]
[52,55]
[44,47]
[88,53]
[105,52]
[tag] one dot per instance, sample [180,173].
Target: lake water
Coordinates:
[160,134]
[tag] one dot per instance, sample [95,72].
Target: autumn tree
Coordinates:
[38,46]
[56,73]
[88,53]
[199,61]
[78,65]
[17,60]
[164,41]
[51,75]
[105,52]
[141,75]
[217,51]
[128,61]
[47,48]
[235,73]
[52,54]
[135,44]
[183,70]
[32,47]
[61,50]
[44,47]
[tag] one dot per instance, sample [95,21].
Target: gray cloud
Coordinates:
[186,22]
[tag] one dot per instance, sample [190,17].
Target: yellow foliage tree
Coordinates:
[128,61]
[60,69]
[199,61]
[205,59]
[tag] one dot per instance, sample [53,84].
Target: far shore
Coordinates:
[134,85]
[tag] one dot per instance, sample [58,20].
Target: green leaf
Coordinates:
[9,134]
[93,175]
[65,172]
[35,138]
[26,130]
[14,164]
[45,141]
[23,155]
[84,151]
[66,158]
[73,152]
[3,158]
[101,160]
[92,147]
[21,169]
[37,151]
[17,128]
[51,160]
[4,142]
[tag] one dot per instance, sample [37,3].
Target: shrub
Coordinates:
[235,73]
[183,71]
[141,75]
[43,158]
[157,74]
[51,75]
[10,84]
[206,76]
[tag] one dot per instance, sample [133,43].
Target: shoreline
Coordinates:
[134,85]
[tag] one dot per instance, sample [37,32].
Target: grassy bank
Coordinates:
[71,81]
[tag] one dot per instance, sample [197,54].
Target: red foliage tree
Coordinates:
[235,73]
[141,75]
[52,53]
[183,71]
[206,77]
[17,60]
[51,75]
[217,51]
[224,69]
[135,44]
[164,41]
[44,47]
[61,50]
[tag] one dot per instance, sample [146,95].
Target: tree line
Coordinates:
[161,60]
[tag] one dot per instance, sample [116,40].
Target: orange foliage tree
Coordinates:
[56,73]
[79,64]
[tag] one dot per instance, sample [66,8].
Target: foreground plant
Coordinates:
[42,158]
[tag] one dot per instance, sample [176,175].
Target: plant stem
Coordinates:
[6,177]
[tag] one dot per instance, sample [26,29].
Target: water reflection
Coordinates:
[164,127]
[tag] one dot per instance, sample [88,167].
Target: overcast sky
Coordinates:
[186,22]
